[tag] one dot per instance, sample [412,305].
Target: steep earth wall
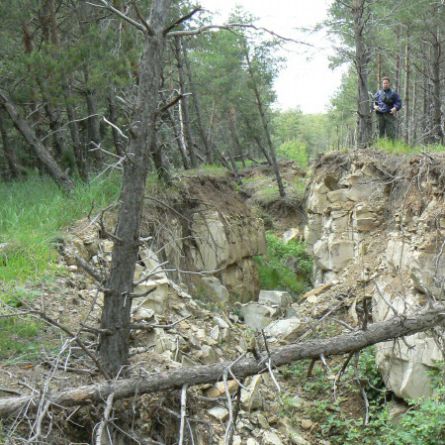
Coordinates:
[199,237]
[376,226]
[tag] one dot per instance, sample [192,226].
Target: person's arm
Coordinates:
[397,104]
[376,102]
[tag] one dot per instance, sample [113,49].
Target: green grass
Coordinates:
[32,216]
[284,266]
[400,147]
[20,339]
[206,169]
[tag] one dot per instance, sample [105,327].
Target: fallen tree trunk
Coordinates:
[396,327]
[60,177]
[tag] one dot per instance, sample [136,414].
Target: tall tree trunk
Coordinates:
[11,158]
[196,104]
[413,124]
[379,69]
[117,297]
[93,124]
[436,79]
[39,149]
[407,106]
[118,145]
[398,58]
[427,99]
[364,123]
[183,103]
[178,138]
[235,138]
[78,146]
[264,123]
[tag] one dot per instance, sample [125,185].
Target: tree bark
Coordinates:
[438,135]
[39,149]
[11,158]
[259,102]
[396,327]
[364,123]
[78,146]
[196,104]
[118,145]
[407,105]
[117,297]
[183,103]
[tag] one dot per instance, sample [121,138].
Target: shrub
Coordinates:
[285,266]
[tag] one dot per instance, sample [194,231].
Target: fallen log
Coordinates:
[396,327]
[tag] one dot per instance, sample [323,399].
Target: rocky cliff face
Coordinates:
[200,238]
[376,225]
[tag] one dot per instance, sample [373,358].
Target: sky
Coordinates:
[306,82]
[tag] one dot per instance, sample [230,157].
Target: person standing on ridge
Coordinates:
[386,105]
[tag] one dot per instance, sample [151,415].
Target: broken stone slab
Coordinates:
[218,413]
[251,397]
[271,438]
[278,298]
[287,329]
[258,316]
[219,389]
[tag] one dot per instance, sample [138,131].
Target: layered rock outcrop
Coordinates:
[376,224]
[200,238]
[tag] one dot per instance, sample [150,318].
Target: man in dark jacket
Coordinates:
[386,105]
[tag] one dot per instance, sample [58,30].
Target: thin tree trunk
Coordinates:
[39,149]
[258,142]
[118,145]
[407,100]
[436,79]
[361,64]
[183,104]
[379,69]
[11,158]
[207,147]
[235,138]
[78,146]
[264,123]
[393,328]
[398,58]
[414,123]
[179,140]
[117,296]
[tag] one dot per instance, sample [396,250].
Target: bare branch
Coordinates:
[231,27]
[142,27]
[182,19]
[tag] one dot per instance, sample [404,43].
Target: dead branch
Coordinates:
[144,27]
[150,383]
[232,26]
[183,19]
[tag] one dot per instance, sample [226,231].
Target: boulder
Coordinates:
[215,291]
[258,316]
[286,329]
[271,438]
[275,298]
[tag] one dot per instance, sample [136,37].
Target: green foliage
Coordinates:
[284,266]
[423,424]
[295,151]
[32,215]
